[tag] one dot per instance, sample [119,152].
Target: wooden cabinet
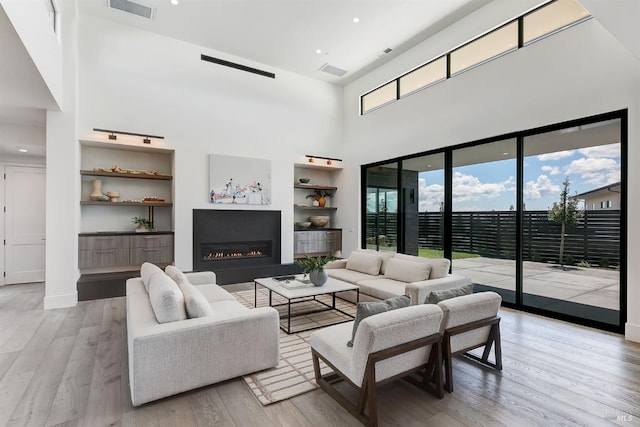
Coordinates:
[126,250]
[317,242]
[155,248]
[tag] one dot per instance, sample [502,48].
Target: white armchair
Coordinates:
[470,322]
[387,346]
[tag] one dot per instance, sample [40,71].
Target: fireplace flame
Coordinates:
[226,255]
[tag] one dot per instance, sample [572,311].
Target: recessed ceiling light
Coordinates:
[356,20]
[505,154]
[23,150]
[318,51]
[174,2]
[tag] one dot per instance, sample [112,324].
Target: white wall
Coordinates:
[580,72]
[32,24]
[63,178]
[136,81]
[30,137]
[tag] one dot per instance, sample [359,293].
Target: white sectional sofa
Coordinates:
[230,340]
[382,275]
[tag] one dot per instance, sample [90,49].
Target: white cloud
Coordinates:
[469,188]
[553,170]
[430,196]
[556,156]
[610,151]
[595,171]
[540,187]
[466,188]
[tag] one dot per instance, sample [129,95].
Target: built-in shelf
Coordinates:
[314,187]
[97,202]
[126,175]
[329,208]
[314,165]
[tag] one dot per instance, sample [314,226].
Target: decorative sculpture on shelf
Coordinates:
[117,169]
[320,196]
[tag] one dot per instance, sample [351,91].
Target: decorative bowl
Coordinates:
[319,220]
[303,224]
[304,180]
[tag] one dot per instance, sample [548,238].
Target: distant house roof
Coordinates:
[615,188]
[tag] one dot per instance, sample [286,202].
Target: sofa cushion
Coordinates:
[382,288]
[364,262]
[177,275]
[147,270]
[366,309]
[435,297]
[214,293]
[407,271]
[194,301]
[166,299]
[386,256]
[227,310]
[350,276]
[439,266]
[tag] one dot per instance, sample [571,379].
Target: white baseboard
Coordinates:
[61,301]
[632,332]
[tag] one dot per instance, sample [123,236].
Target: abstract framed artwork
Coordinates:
[239,180]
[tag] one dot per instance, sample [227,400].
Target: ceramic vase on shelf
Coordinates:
[318,278]
[97,190]
[322,201]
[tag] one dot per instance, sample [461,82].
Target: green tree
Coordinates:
[565,213]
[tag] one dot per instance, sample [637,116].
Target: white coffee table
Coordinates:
[305,294]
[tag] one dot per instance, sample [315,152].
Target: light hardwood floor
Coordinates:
[68,367]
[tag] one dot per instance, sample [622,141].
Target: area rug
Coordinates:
[294,374]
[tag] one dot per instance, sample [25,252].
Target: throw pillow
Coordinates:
[407,271]
[364,262]
[195,301]
[435,297]
[366,309]
[166,299]
[439,266]
[147,270]
[177,275]
[386,256]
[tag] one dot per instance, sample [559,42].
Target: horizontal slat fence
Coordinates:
[595,238]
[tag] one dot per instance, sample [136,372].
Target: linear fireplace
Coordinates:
[235,250]
[235,239]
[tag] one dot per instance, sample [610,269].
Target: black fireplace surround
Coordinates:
[238,245]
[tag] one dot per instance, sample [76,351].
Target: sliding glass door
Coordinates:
[572,221]
[483,231]
[381,218]
[537,216]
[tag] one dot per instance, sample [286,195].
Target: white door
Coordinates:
[24,253]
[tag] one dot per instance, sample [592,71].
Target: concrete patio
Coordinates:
[591,286]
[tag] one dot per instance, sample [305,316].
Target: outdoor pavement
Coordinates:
[592,286]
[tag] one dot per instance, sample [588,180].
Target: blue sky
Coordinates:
[492,186]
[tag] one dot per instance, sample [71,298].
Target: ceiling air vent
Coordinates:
[132,7]
[384,52]
[333,70]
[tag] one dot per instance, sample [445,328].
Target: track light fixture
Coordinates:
[113,135]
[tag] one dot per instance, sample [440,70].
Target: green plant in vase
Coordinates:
[314,267]
[143,224]
[320,196]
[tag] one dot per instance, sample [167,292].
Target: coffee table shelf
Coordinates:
[302,295]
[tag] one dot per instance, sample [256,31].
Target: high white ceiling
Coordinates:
[286,33]
[282,34]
